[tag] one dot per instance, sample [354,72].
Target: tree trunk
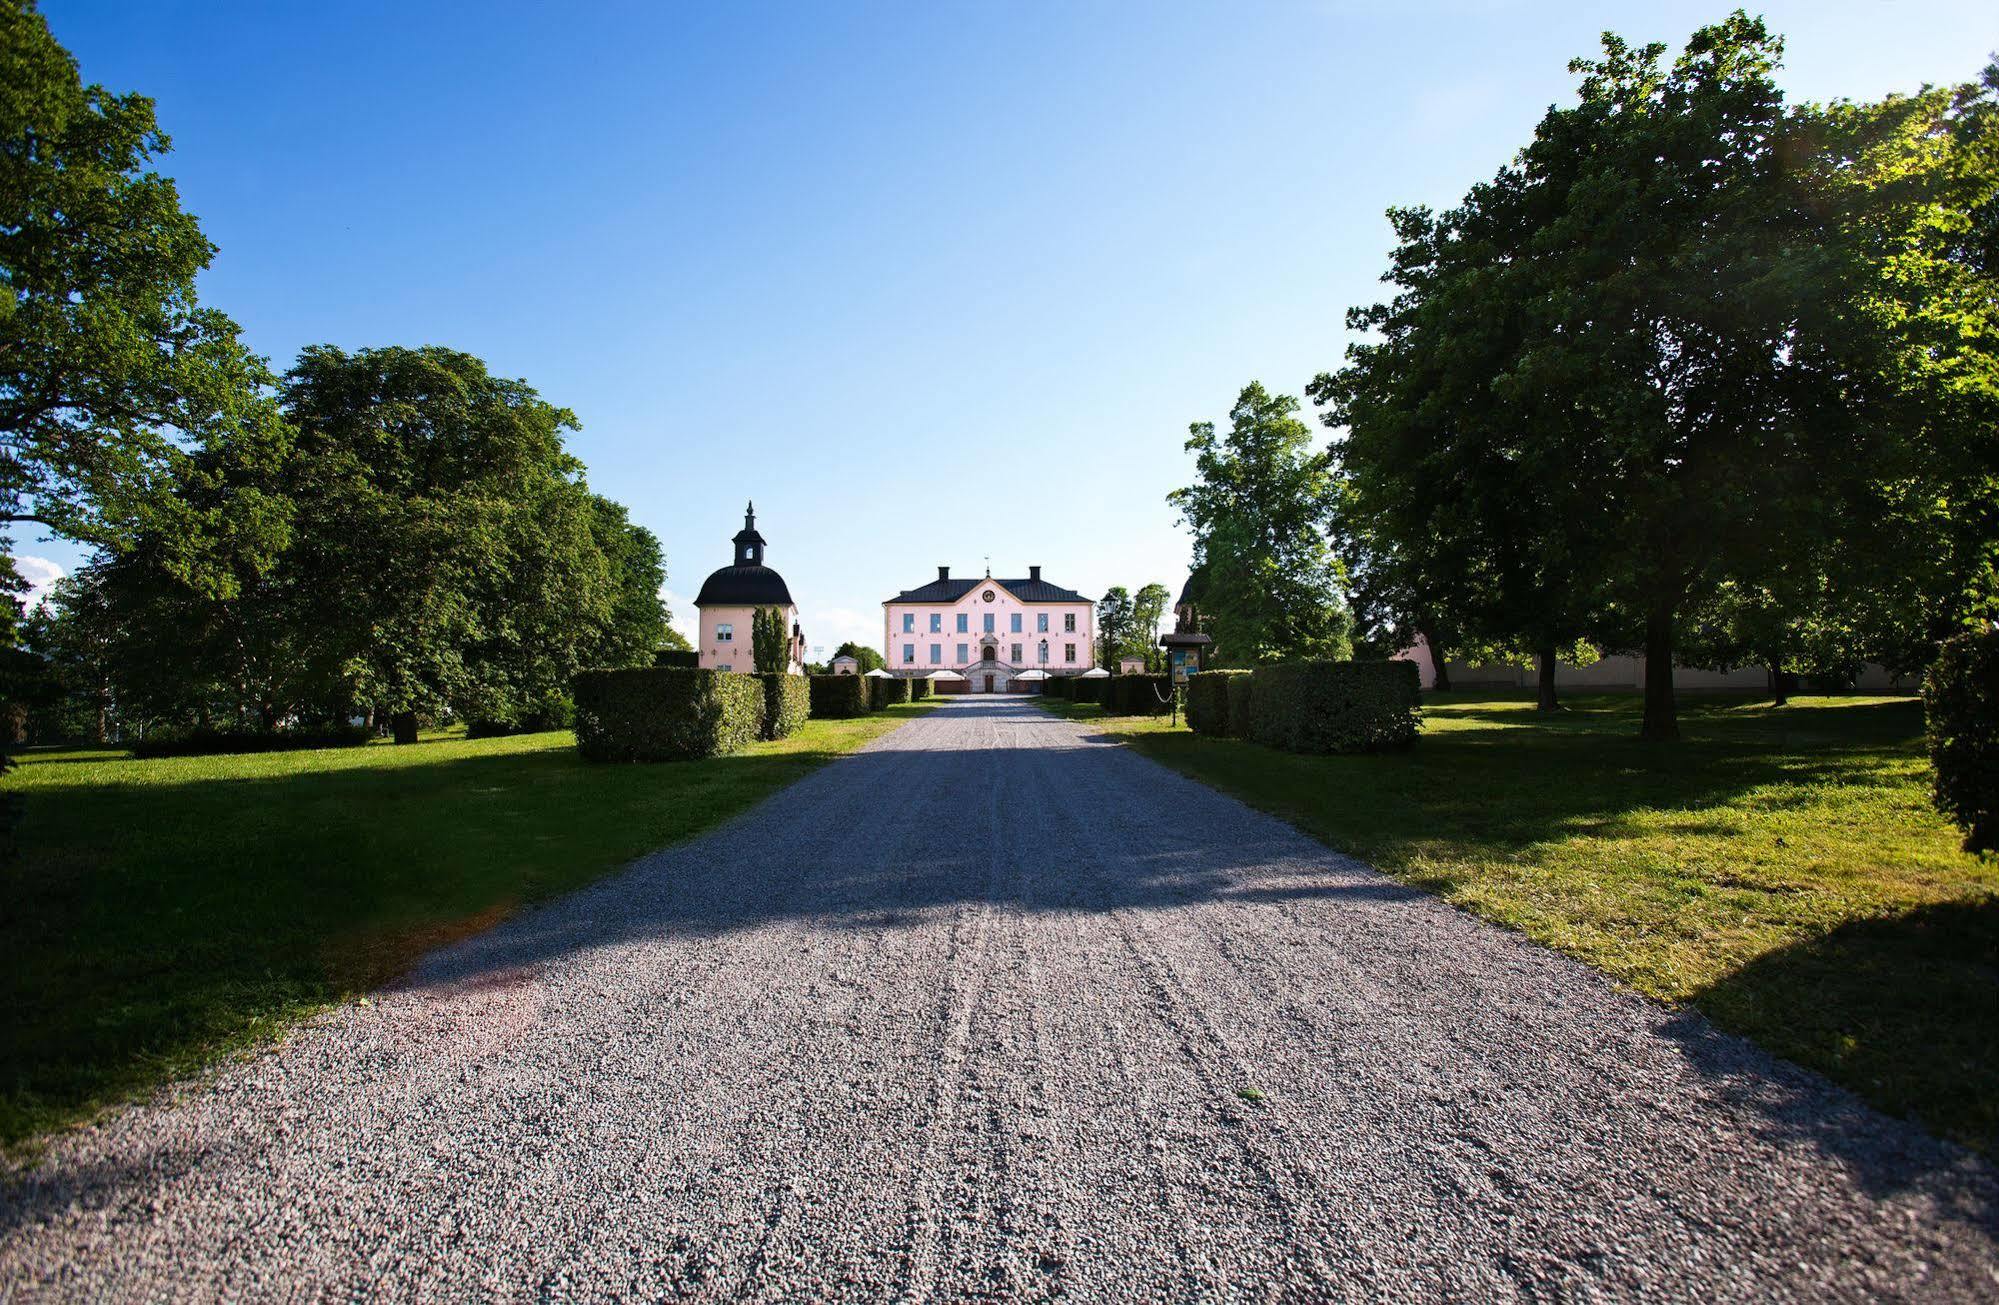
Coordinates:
[1545,666]
[103,714]
[1442,683]
[1662,722]
[1779,684]
[403,724]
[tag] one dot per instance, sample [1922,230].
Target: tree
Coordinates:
[1114,626]
[869,658]
[770,641]
[1148,609]
[108,364]
[1677,345]
[1257,511]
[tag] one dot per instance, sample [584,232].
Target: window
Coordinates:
[1044,652]
[725,633]
[1041,623]
[725,668]
[1015,659]
[908,654]
[964,653]
[746,552]
[1068,623]
[937,623]
[989,622]
[1068,652]
[909,622]
[936,653]
[964,623]
[1015,619]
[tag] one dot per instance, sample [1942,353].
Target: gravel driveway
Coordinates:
[994,1007]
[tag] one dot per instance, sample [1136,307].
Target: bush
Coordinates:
[1240,685]
[1961,707]
[883,692]
[665,714]
[787,702]
[1321,706]
[678,659]
[1138,695]
[835,697]
[1056,686]
[1208,701]
[559,715]
[204,742]
[919,689]
[1082,690]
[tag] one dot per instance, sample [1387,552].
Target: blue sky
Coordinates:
[930,283]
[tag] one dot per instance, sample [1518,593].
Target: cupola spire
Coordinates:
[749,544]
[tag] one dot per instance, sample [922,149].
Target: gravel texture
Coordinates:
[996,1007]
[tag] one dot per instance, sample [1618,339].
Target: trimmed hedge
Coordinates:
[883,692]
[1961,708]
[1241,688]
[1082,690]
[835,697]
[666,713]
[679,659]
[1056,686]
[1208,701]
[919,689]
[787,702]
[201,743]
[1138,695]
[1321,706]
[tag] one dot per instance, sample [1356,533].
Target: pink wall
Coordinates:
[738,654]
[1002,609]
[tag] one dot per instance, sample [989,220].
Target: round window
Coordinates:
[988,595]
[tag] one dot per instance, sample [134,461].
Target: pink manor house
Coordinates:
[989,630]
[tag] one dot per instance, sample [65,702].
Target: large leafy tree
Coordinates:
[1148,609]
[1257,509]
[1671,345]
[870,658]
[109,366]
[1114,626]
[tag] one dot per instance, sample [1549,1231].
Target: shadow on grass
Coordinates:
[1848,1001]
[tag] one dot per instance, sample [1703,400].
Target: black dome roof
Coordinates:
[744,586]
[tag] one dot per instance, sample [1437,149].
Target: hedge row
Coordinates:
[835,697]
[1208,702]
[1137,695]
[787,702]
[885,691]
[919,689]
[1320,706]
[665,714]
[680,659]
[198,743]
[1241,692]
[1056,686]
[1961,708]
[1086,690]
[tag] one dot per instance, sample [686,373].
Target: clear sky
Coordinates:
[930,283]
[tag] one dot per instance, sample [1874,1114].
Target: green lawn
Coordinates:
[1780,868]
[164,913]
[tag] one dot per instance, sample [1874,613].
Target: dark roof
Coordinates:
[950,591]
[1190,592]
[744,586]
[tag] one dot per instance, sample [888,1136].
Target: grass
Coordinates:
[1781,868]
[166,913]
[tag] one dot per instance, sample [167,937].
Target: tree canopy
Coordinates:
[1258,509]
[1688,347]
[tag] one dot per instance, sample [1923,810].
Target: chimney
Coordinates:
[1033,573]
[943,573]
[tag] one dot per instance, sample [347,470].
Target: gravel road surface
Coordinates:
[997,1008]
